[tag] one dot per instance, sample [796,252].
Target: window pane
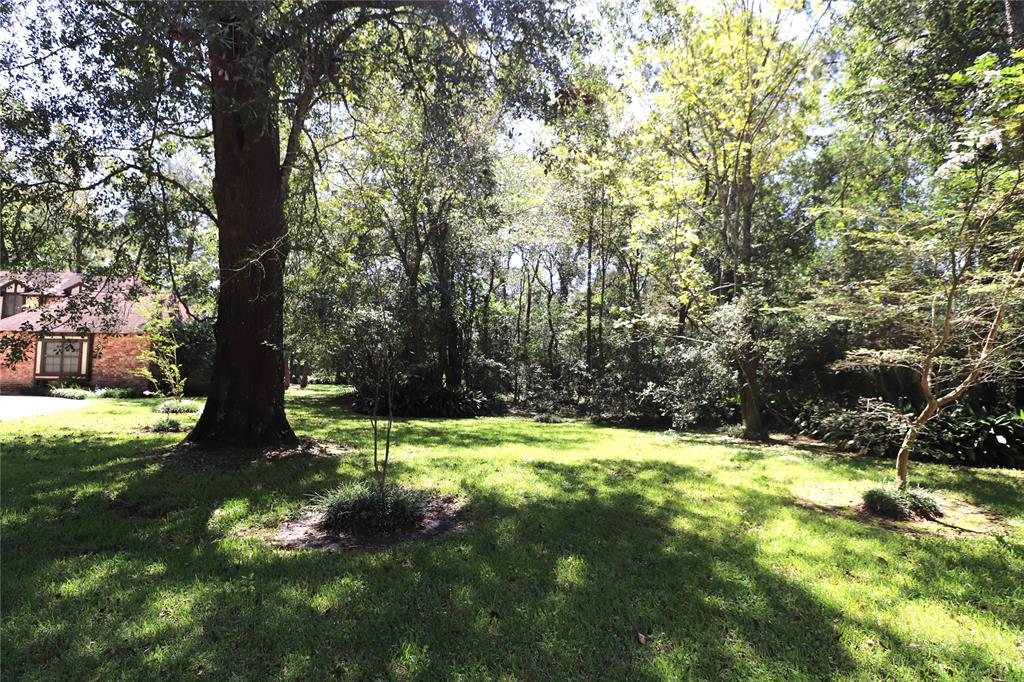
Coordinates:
[12,304]
[51,357]
[62,357]
[71,357]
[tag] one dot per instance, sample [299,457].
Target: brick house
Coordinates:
[71,329]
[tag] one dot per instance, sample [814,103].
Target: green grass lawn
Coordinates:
[592,553]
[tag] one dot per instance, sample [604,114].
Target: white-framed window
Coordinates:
[60,357]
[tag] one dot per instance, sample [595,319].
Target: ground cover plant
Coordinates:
[902,503]
[72,393]
[178,406]
[363,507]
[165,424]
[591,552]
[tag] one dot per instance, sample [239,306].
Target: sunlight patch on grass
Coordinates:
[570,571]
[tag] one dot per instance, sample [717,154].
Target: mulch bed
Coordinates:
[959,519]
[441,515]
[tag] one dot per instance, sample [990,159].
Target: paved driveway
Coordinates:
[18,406]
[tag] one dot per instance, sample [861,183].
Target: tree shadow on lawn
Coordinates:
[467,434]
[601,579]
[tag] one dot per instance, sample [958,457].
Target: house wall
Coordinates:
[21,375]
[114,358]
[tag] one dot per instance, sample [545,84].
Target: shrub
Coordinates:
[178,406]
[891,502]
[961,435]
[195,352]
[874,427]
[160,359]
[365,508]
[414,398]
[632,420]
[166,424]
[487,375]
[76,393]
[71,393]
[700,388]
[547,418]
[731,430]
[36,389]
[113,393]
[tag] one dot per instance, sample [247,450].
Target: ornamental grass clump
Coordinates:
[178,406]
[165,424]
[896,503]
[118,393]
[364,507]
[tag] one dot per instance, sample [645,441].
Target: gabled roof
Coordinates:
[104,305]
[50,283]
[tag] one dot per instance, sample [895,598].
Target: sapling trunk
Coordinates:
[907,446]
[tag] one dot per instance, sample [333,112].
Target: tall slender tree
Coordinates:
[732,92]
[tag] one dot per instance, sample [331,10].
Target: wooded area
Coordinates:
[786,217]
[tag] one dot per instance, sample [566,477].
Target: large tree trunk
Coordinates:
[454,361]
[517,349]
[527,380]
[552,336]
[602,293]
[1015,22]
[246,401]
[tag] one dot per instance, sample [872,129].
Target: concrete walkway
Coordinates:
[18,406]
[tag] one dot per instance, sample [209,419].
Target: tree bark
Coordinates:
[527,380]
[750,398]
[909,439]
[246,401]
[449,352]
[590,305]
[602,292]
[750,390]
[518,333]
[1015,22]
[485,315]
[552,336]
